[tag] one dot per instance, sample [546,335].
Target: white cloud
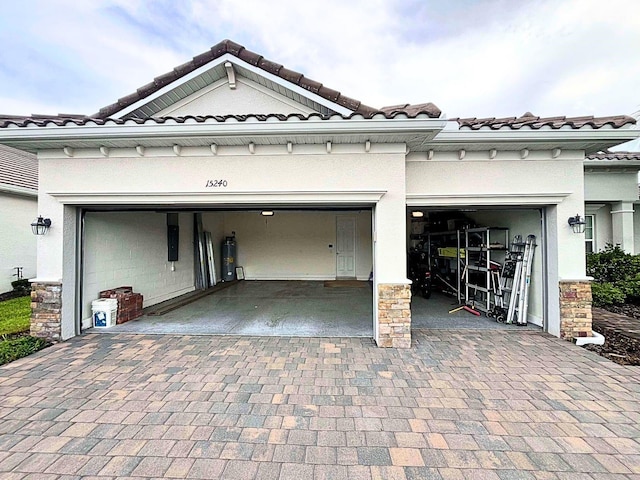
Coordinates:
[491,58]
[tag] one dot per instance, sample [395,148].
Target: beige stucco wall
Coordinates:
[247,98]
[17,242]
[268,178]
[130,248]
[556,184]
[292,245]
[611,186]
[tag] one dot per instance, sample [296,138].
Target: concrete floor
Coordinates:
[267,308]
[433,314]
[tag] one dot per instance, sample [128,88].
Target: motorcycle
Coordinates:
[419,273]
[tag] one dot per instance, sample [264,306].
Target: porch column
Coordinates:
[622,226]
[52,298]
[569,299]
[392,290]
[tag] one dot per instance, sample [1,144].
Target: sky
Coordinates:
[481,58]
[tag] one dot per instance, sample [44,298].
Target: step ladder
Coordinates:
[519,290]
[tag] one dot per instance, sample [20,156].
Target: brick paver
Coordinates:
[458,405]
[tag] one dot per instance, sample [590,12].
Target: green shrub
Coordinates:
[631,289]
[605,294]
[612,265]
[11,350]
[22,286]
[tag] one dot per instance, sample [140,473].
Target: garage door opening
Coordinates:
[290,272]
[467,264]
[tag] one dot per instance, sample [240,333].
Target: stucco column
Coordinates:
[622,226]
[392,292]
[54,287]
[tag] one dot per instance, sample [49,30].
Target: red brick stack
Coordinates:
[129,303]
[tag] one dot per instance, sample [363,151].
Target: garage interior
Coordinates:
[456,259]
[244,271]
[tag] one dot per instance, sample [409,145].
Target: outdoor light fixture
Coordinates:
[267,213]
[577,224]
[417,214]
[41,226]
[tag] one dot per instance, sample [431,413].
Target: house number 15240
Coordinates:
[216,183]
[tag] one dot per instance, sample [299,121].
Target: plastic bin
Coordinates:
[104,312]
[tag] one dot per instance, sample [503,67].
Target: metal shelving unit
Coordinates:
[478,256]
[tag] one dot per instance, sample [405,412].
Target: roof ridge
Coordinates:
[252,58]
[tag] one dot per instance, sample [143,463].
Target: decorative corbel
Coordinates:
[104,151]
[462,153]
[252,148]
[140,150]
[493,153]
[289,147]
[555,153]
[68,151]
[231,75]
[177,149]
[524,153]
[214,148]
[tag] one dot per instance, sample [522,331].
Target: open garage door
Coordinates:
[293,277]
[462,257]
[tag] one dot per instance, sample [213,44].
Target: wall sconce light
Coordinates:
[577,224]
[41,226]
[267,213]
[417,214]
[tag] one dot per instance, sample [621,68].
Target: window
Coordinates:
[589,237]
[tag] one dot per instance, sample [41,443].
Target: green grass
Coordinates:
[14,315]
[11,350]
[14,320]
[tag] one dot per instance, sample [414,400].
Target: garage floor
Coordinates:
[433,313]
[265,308]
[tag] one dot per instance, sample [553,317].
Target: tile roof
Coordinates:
[533,122]
[613,156]
[18,168]
[257,60]
[61,120]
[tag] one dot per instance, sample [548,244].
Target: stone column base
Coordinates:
[46,311]
[575,309]
[394,315]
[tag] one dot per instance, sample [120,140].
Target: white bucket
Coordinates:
[104,312]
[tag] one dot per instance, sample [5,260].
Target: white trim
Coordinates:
[533,136]
[622,211]
[236,61]
[226,198]
[21,191]
[511,199]
[336,125]
[595,339]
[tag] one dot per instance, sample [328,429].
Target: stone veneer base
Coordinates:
[46,311]
[394,315]
[575,309]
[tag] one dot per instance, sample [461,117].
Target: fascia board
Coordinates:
[20,191]
[241,63]
[229,128]
[611,163]
[534,136]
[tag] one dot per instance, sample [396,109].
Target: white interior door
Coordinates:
[346,247]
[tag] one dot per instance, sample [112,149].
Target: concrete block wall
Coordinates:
[130,248]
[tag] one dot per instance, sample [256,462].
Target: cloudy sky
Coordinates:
[469,57]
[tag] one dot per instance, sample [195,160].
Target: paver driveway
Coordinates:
[477,405]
